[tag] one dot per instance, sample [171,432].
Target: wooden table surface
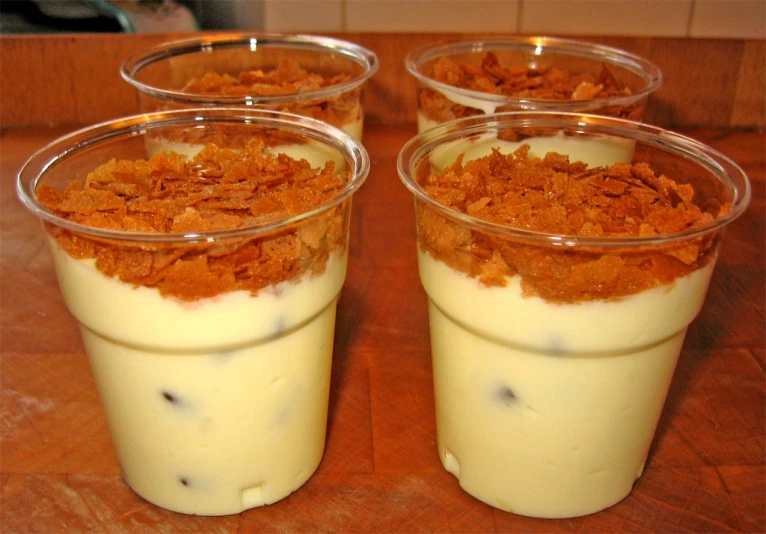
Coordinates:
[380,472]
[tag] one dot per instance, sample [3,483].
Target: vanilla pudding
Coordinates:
[205,283]
[546,409]
[229,393]
[562,271]
[354,129]
[424,123]
[485,105]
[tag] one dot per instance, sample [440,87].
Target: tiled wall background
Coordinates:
[742,19]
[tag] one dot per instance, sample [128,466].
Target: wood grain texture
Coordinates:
[750,98]
[380,472]
[74,79]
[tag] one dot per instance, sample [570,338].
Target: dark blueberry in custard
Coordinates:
[506,395]
[178,402]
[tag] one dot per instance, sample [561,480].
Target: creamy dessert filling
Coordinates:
[218,323]
[552,416]
[551,364]
[229,393]
[592,327]
[212,359]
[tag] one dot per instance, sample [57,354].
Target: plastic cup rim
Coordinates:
[421,145]
[357,53]
[647,70]
[46,158]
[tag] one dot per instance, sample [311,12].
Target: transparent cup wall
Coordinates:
[439,102]
[215,404]
[547,408]
[160,74]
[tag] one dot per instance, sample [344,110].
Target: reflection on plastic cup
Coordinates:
[314,76]
[212,349]
[550,377]
[467,78]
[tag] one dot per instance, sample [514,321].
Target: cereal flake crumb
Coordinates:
[556,196]
[219,189]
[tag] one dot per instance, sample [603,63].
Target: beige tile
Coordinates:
[303,15]
[661,18]
[743,19]
[432,15]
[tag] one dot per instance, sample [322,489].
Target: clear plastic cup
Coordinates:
[164,75]
[211,350]
[553,353]
[524,66]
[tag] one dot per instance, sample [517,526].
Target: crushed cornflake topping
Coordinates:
[227,136]
[219,189]
[520,81]
[556,196]
[287,78]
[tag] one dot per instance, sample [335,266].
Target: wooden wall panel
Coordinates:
[750,97]
[67,80]
[74,79]
[700,81]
